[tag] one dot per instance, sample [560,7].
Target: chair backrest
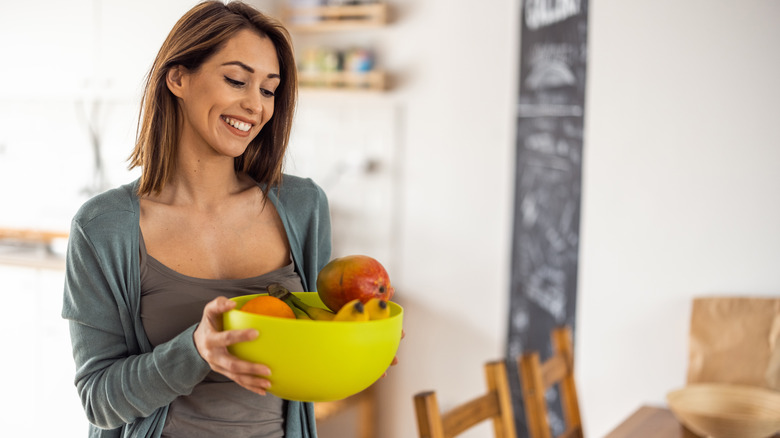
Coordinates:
[495,405]
[536,377]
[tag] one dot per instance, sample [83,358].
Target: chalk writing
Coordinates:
[540,13]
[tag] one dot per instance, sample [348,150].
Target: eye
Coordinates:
[233,82]
[267,93]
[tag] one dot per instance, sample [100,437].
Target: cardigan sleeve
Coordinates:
[116,382]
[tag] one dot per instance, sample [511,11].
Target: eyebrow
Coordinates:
[250,69]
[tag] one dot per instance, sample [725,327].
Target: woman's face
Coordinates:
[230,98]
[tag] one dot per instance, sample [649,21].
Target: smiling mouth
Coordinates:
[241,126]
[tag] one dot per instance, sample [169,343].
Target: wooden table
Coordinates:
[651,422]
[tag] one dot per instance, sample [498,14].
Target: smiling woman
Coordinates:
[196,40]
[151,265]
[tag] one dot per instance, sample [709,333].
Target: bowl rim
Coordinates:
[699,386]
[305,321]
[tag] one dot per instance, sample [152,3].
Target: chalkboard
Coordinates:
[550,123]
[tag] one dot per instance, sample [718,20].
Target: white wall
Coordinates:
[681,186]
[678,191]
[459,62]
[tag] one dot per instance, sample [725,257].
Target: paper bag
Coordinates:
[735,340]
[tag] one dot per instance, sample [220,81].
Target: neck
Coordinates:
[204,182]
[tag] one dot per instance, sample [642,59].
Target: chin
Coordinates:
[233,152]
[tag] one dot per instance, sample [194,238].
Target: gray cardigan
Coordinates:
[125,385]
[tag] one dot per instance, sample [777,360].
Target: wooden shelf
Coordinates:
[335,18]
[374,80]
[338,18]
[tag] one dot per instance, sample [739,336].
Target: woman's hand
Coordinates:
[395,359]
[212,344]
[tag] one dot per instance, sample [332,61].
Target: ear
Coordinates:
[176,80]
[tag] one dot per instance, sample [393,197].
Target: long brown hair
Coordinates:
[200,33]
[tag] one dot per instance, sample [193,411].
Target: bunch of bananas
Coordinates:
[354,310]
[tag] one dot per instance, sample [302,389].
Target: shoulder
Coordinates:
[295,189]
[301,203]
[116,206]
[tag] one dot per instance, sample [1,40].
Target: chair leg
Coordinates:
[428,416]
[368,418]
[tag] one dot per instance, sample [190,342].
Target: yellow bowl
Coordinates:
[317,361]
[720,410]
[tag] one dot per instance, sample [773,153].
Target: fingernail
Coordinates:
[265,384]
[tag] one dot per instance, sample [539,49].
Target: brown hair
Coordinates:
[200,33]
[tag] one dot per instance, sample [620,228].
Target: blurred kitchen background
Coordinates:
[680,180]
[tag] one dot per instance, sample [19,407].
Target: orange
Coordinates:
[269,306]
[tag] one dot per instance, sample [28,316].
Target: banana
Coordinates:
[377,308]
[299,314]
[313,312]
[352,311]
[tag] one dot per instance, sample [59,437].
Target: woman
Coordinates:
[150,264]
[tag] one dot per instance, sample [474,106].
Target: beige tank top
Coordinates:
[170,303]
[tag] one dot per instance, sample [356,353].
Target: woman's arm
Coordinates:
[118,383]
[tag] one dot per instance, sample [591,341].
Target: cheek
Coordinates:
[268,112]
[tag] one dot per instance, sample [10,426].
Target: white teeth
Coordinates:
[241,126]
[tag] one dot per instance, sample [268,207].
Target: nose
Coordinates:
[253,102]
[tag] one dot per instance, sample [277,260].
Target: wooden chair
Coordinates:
[536,377]
[363,404]
[495,405]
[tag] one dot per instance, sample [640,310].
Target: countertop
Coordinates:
[31,248]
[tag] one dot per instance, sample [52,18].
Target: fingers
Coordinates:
[247,374]
[395,358]
[393,363]
[225,363]
[212,342]
[213,311]
[254,383]
[213,345]
[250,375]
[230,337]
[209,333]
